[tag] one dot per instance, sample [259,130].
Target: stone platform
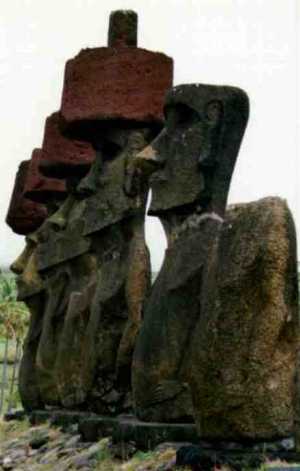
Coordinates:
[191,450]
[125,428]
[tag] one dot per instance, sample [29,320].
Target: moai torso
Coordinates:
[194,157]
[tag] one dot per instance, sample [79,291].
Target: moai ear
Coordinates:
[214,111]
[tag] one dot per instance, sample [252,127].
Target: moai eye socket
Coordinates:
[110,149]
[214,111]
[180,116]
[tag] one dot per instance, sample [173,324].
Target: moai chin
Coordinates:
[191,162]
[99,276]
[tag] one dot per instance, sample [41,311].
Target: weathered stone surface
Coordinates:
[39,188]
[24,216]
[99,327]
[31,290]
[194,158]
[207,459]
[63,157]
[108,83]
[91,253]
[242,359]
[147,435]
[117,82]
[95,288]
[93,428]
[122,28]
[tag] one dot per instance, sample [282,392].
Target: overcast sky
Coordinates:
[252,44]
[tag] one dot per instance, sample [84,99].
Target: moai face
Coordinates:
[194,156]
[29,282]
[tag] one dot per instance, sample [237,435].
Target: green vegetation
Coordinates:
[14,318]
[14,315]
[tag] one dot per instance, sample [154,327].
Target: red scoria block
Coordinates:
[63,157]
[126,83]
[24,216]
[39,188]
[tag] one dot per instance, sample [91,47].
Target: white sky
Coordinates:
[252,44]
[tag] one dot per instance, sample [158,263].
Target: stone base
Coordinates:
[208,459]
[61,418]
[147,435]
[126,429]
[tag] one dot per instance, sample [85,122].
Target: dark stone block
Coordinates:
[62,418]
[94,428]
[122,28]
[18,415]
[147,435]
[38,417]
[239,460]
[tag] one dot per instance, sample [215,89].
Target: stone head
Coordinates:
[193,157]
[29,282]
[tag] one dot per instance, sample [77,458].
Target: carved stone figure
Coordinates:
[31,190]
[31,288]
[95,322]
[242,358]
[192,159]
[91,253]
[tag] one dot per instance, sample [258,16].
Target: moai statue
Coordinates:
[32,286]
[242,358]
[31,289]
[191,162]
[94,255]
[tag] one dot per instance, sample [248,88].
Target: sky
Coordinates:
[250,44]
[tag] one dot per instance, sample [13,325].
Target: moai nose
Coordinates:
[18,266]
[86,188]
[148,159]
[57,222]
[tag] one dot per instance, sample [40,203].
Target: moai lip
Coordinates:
[116,82]
[192,161]
[63,157]
[39,188]
[24,216]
